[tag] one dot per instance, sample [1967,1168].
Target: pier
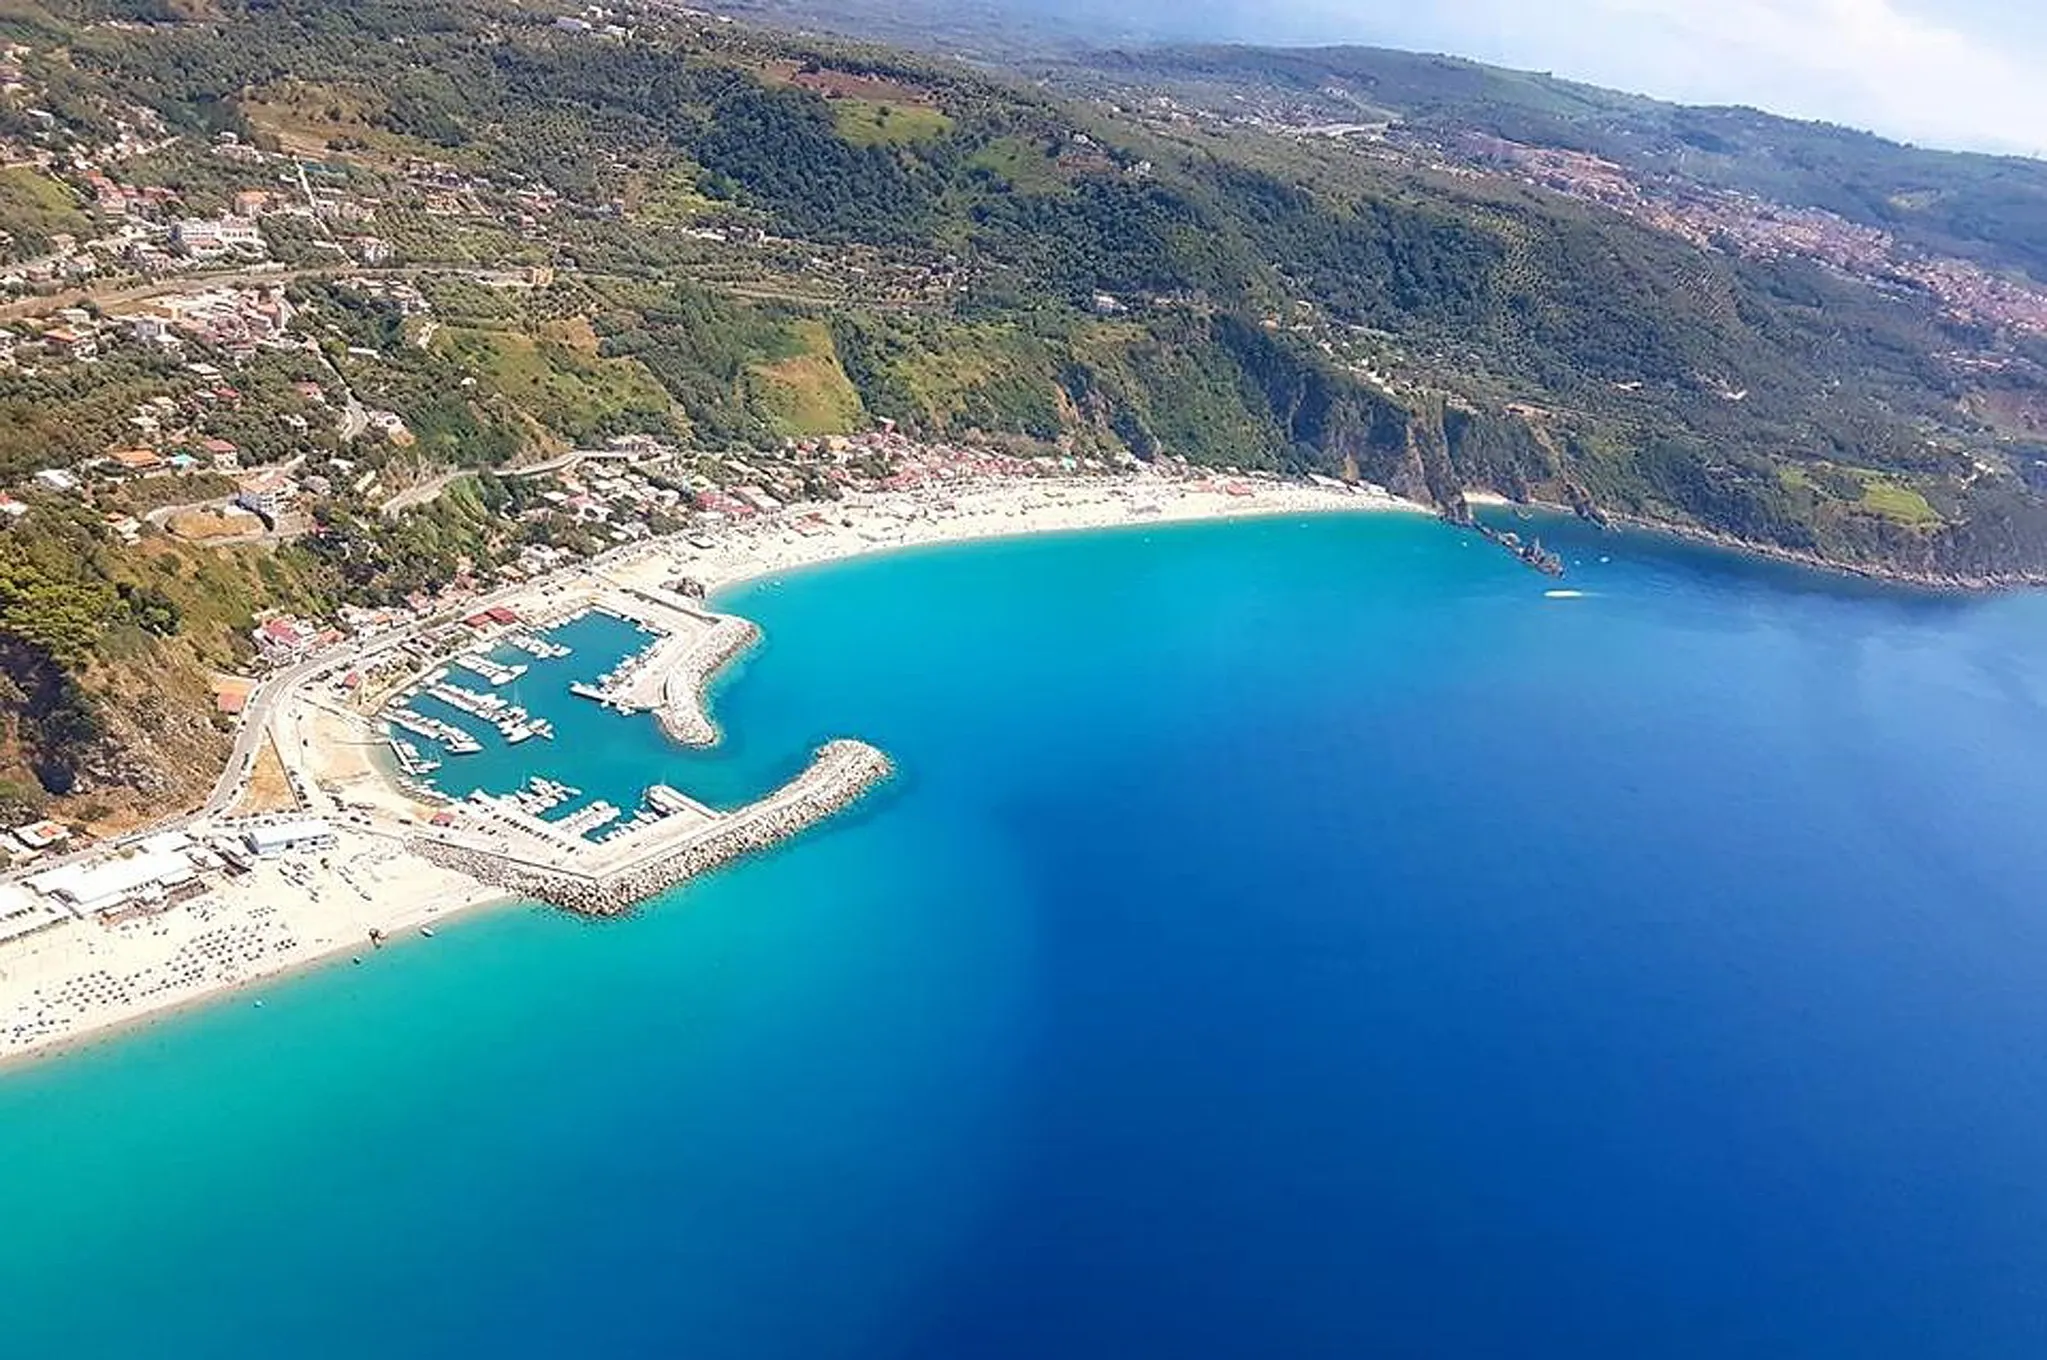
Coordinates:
[410,761]
[583,821]
[538,648]
[513,723]
[683,712]
[488,669]
[468,700]
[452,738]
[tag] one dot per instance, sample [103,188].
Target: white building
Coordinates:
[147,877]
[166,843]
[267,494]
[211,237]
[23,913]
[269,839]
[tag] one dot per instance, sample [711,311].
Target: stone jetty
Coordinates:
[612,878]
[684,713]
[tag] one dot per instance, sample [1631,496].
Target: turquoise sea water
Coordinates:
[1287,938]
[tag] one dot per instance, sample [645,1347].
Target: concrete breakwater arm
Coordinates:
[611,879]
[684,712]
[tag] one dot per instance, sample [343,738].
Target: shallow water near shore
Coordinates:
[1292,937]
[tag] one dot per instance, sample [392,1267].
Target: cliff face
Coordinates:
[121,741]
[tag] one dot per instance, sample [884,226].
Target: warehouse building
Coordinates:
[268,839]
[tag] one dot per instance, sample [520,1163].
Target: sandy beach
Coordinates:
[83,978]
[75,981]
[810,535]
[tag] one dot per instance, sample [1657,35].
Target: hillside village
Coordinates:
[1710,218]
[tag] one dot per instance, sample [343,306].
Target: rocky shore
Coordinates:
[1884,573]
[684,712]
[612,884]
[1892,574]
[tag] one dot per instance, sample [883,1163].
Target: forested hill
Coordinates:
[1992,209]
[1797,335]
[1127,272]
[1987,208]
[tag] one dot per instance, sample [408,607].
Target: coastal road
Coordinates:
[428,490]
[255,726]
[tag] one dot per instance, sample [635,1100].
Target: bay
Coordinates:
[1294,937]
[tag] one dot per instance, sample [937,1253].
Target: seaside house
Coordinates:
[283,639]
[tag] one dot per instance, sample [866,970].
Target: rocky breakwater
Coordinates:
[612,879]
[684,713]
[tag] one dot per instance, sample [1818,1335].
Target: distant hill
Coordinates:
[1992,209]
[1989,209]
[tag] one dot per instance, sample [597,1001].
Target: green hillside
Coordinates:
[1280,302]
[733,238]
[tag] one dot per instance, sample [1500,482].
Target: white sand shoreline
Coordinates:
[84,982]
[92,982]
[1017,508]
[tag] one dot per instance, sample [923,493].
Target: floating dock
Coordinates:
[538,648]
[490,670]
[452,738]
[410,760]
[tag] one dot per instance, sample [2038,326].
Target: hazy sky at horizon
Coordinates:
[1956,73]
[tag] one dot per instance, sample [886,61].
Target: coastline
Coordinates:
[1023,508]
[147,943]
[115,1027]
[84,982]
[984,511]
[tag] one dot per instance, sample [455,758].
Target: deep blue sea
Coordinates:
[1291,938]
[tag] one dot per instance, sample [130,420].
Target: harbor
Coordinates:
[626,669]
